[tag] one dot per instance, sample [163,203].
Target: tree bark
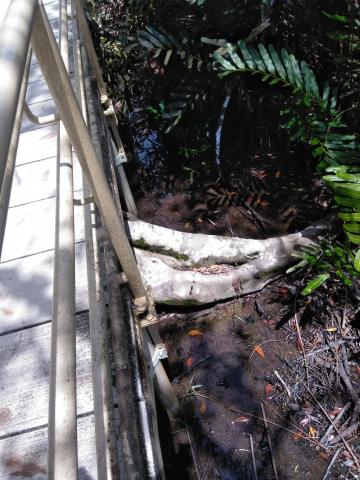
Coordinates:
[196,269]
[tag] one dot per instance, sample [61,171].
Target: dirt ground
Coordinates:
[224,361]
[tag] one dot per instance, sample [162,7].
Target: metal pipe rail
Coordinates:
[26,23]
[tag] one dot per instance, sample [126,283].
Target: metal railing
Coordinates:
[26,28]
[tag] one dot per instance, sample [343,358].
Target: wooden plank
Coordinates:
[37,181]
[46,107]
[30,229]
[23,457]
[39,91]
[37,144]
[26,289]
[24,376]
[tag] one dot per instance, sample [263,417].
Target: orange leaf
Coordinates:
[312,432]
[259,351]
[189,362]
[195,333]
[202,407]
[323,455]
[241,420]
[334,412]
[268,390]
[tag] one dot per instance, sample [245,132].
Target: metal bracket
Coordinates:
[80,202]
[160,353]
[120,159]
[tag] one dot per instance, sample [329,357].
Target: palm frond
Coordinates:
[274,68]
[163,46]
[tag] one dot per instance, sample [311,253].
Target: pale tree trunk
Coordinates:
[196,269]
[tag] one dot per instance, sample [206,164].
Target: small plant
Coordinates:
[335,262]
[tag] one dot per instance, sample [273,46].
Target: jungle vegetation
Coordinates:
[286,73]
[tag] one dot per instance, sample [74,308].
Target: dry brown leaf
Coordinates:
[195,333]
[202,407]
[241,420]
[312,432]
[259,351]
[268,390]
[189,362]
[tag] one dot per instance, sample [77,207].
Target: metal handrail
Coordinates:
[43,120]
[25,20]
[62,431]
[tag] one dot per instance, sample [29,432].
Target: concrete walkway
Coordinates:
[26,282]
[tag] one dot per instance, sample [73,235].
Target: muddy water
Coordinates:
[227,379]
[222,377]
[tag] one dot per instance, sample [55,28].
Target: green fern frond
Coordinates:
[330,141]
[273,67]
[184,99]
[163,46]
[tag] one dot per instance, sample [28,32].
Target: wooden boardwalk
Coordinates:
[26,282]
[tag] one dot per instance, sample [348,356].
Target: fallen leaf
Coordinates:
[195,333]
[241,420]
[278,174]
[304,422]
[202,407]
[296,436]
[259,351]
[331,329]
[312,432]
[268,390]
[323,455]
[189,362]
[334,412]
[358,370]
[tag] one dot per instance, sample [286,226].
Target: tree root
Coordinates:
[194,269]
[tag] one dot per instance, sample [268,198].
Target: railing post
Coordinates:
[52,66]
[5,191]
[62,429]
[14,44]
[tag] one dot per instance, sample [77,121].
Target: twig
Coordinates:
[335,421]
[277,375]
[176,379]
[253,455]
[301,343]
[346,379]
[345,433]
[348,448]
[297,431]
[193,453]
[269,442]
[324,349]
[329,467]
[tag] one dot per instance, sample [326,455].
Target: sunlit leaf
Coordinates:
[315,283]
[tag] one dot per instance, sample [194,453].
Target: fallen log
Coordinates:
[195,269]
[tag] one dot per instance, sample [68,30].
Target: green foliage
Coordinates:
[321,126]
[329,262]
[274,68]
[163,46]
[315,283]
